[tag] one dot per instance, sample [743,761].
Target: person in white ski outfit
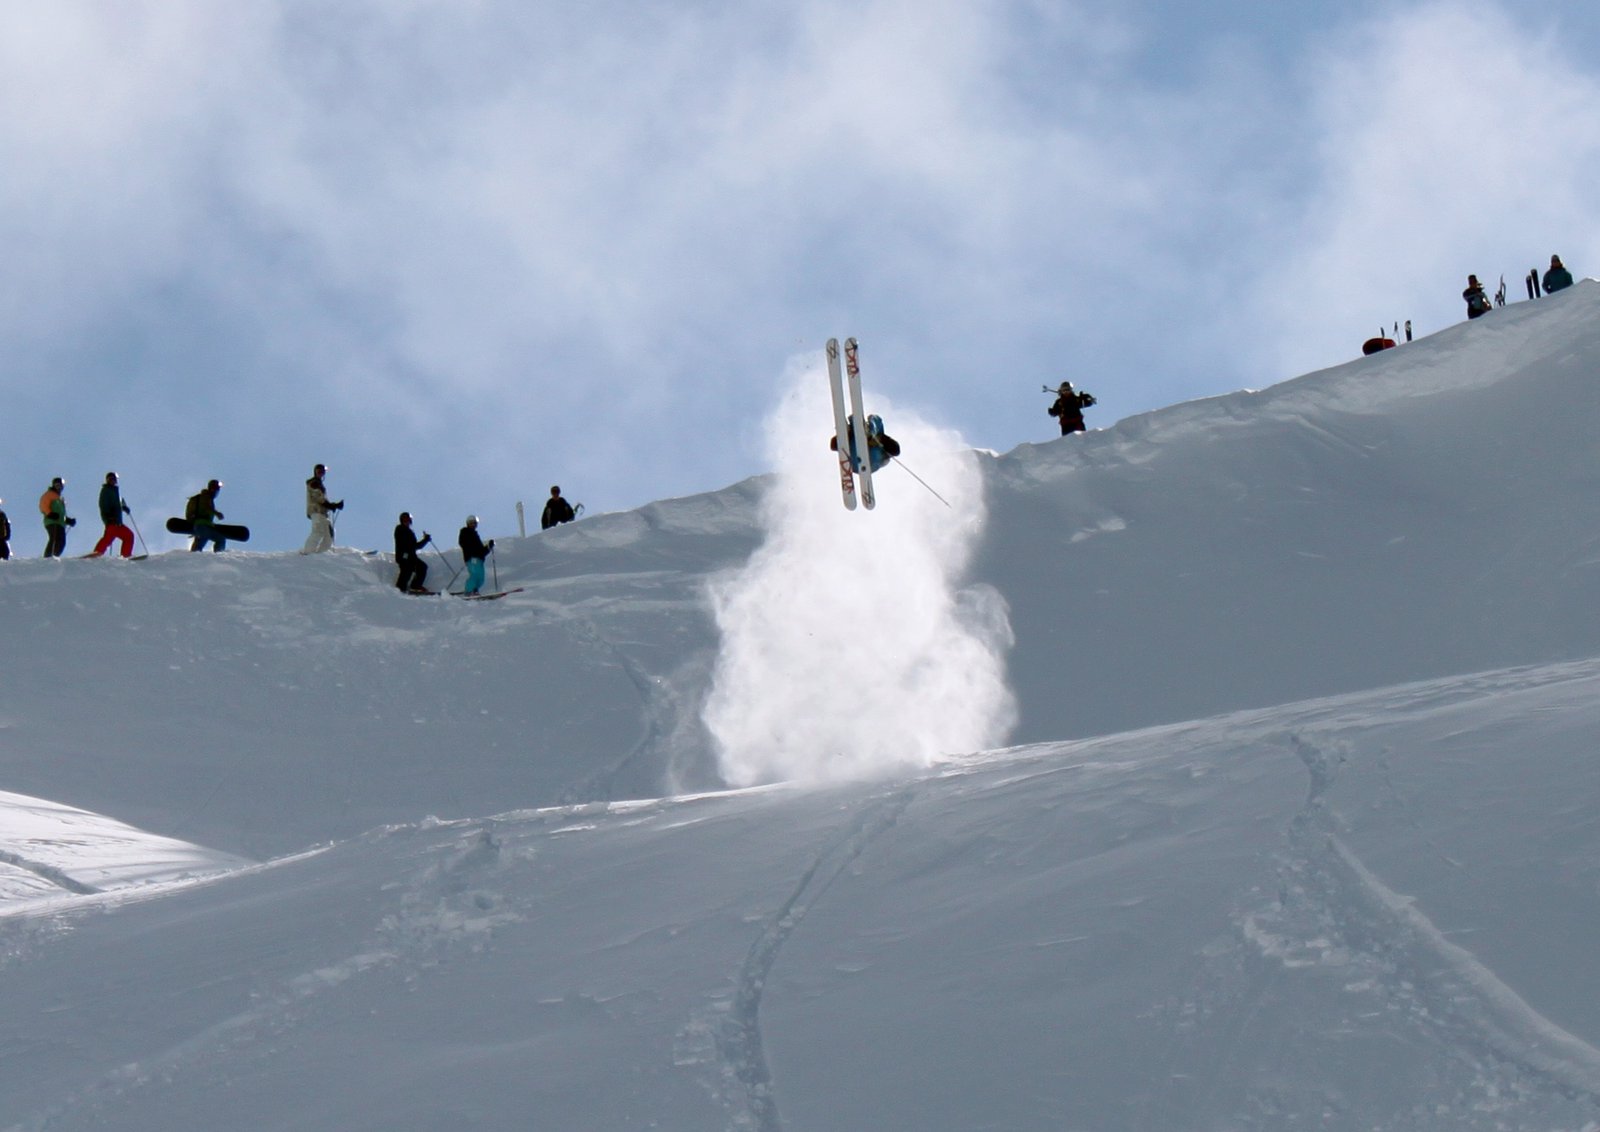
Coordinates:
[319,509]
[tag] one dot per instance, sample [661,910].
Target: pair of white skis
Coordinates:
[861,468]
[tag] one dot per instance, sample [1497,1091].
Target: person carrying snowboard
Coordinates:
[1477,300]
[881,447]
[1068,408]
[319,509]
[202,512]
[413,570]
[5,536]
[1558,278]
[53,508]
[112,508]
[473,552]
[556,510]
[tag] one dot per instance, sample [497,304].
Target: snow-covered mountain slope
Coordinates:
[1303,834]
[1428,510]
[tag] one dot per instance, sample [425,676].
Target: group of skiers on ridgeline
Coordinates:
[203,520]
[1556,278]
[413,574]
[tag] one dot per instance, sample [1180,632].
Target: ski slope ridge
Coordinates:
[1299,832]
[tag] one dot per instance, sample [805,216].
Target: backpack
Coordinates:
[191,511]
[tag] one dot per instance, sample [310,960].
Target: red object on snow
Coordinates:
[1373,345]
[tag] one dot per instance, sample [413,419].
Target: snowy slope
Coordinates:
[1303,833]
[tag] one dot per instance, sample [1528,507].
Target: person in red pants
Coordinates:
[112,508]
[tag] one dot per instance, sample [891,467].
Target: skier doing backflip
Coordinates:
[1068,407]
[881,447]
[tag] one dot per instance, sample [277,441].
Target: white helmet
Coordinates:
[472,520]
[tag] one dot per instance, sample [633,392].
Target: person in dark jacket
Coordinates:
[473,552]
[413,570]
[112,508]
[1068,408]
[556,510]
[1477,299]
[205,519]
[5,536]
[1558,278]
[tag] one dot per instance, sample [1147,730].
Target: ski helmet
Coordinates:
[472,520]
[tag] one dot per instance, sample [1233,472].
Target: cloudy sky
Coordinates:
[460,250]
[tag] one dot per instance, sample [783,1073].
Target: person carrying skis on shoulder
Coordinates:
[53,508]
[1558,278]
[1477,300]
[473,552]
[413,570]
[881,447]
[5,536]
[556,510]
[202,512]
[319,509]
[112,508]
[1068,408]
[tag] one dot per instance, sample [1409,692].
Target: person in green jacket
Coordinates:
[1558,278]
[56,520]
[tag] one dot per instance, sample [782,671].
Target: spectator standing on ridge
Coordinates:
[413,570]
[5,535]
[53,508]
[320,511]
[1068,408]
[1558,278]
[112,509]
[1477,300]
[556,510]
[202,512]
[473,551]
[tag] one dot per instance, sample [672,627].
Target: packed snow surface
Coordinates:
[712,825]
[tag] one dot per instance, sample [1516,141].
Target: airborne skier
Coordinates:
[881,447]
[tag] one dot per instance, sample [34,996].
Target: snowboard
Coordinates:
[230,531]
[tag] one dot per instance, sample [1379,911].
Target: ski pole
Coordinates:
[924,483]
[135,523]
[495,566]
[445,562]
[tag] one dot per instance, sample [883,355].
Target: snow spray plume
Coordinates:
[849,646]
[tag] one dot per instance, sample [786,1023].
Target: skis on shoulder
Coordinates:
[847,479]
[852,369]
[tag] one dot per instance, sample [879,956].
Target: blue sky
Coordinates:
[462,251]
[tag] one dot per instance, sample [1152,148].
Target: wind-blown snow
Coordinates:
[1302,833]
[850,642]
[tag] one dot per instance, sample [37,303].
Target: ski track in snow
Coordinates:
[440,907]
[746,1084]
[47,873]
[1518,1059]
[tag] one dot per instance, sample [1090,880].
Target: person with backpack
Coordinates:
[112,508]
[556,510]
[53,508]
[413,570]
[319,509]
[5,536]
[1068,408]
[473,552]
[1477,299]
[202,512]
[1558,278]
